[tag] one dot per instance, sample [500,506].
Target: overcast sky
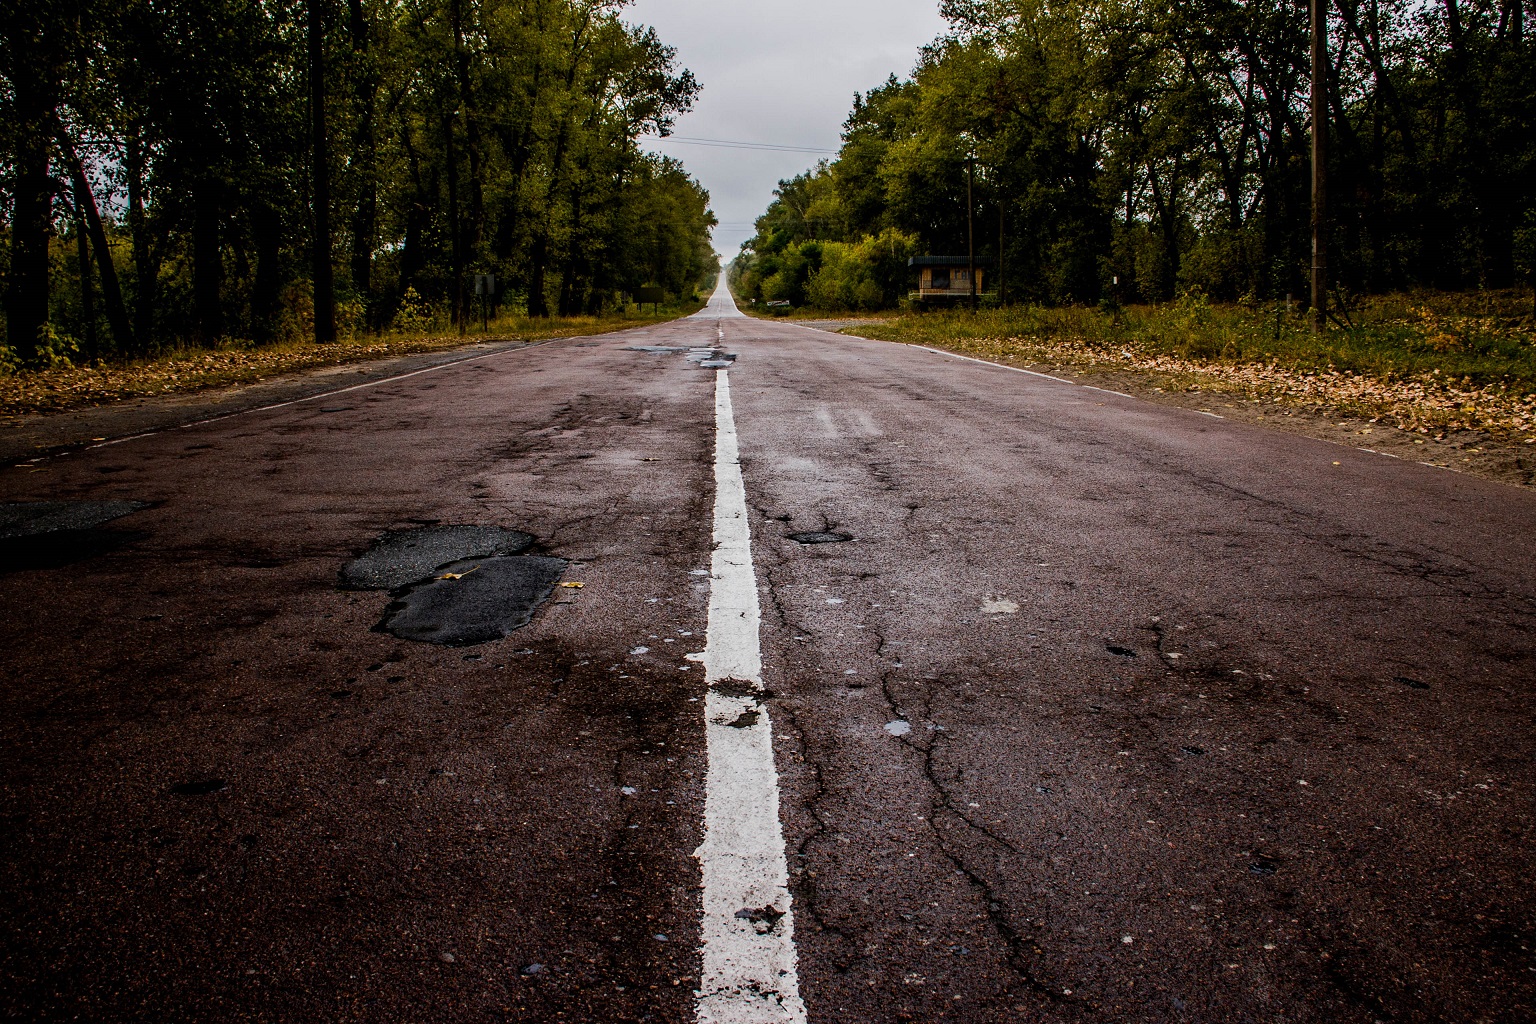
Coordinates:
[780,72]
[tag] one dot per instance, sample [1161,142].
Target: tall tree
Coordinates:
[320,165]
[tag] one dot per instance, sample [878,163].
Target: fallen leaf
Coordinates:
[573,585]
[456,575]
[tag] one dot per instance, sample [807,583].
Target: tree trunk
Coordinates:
[366,218]
[83,265]
[34,43]
[476,221]
[31,223]
[111,290]
[324,274]
[455,229]
[1319,166]
[537,304]
[266,288]
[207,263]
[145,273]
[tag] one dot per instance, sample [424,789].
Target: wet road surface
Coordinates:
[1083,709]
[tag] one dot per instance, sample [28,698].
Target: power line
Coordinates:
[730,144]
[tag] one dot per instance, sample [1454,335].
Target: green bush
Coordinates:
[415,315]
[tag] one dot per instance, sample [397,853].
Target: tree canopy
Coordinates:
[1133,150]
[238,153]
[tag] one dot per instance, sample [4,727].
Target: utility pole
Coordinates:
[324,275]
[970,222]
[1319,166]
[1002,296]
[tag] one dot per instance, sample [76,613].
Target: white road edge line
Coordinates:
[749,974]
[292,401]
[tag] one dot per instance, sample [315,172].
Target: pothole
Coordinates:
[711,358]
[708,358]
[473,601]
[820,537]
[403,557]
[53,534]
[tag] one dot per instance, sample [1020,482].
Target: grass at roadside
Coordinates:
[73,386]
[1424,362]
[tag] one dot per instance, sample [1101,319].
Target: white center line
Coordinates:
[749,972]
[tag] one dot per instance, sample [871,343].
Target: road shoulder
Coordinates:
[40,435]
[1473,452]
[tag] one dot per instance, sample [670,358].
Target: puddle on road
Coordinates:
[473,601]
[402,557]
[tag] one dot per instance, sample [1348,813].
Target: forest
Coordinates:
[181,173]
[1122,151]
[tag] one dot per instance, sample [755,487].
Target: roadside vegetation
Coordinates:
[1134,152]
[1428,362]
[1135,181]
[223,182]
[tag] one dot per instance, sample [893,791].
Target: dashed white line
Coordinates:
[749,974]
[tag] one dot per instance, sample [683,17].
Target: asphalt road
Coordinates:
[1107,711]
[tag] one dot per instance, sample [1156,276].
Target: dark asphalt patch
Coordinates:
[1118,651]
[487,599]
[655,350]
[1412,684]
[31,518]
[402,557]
[820,537]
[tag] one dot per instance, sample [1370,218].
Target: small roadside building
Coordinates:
[946,277]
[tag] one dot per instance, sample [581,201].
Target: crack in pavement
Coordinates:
[997,914]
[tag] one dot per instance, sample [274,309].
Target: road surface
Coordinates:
[1104,711]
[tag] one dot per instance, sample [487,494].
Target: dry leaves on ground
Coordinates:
[1426,404]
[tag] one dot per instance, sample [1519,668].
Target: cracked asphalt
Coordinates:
[1108,711]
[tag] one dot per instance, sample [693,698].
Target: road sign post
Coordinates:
[485,291]
[649,294]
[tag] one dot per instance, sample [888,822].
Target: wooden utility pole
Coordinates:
[461,310]
[1319,166]
[970,222]
[1002,296]
[324,274]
